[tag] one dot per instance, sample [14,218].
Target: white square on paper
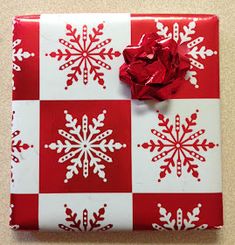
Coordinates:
[116,32]
[118,210]
[25,173]
[145,172]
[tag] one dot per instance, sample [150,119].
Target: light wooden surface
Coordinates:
[225,10]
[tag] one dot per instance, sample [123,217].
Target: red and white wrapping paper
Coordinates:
[85,156]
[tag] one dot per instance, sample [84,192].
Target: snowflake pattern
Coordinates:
[17,147]
[178,145]
[18,55]
[179,222]
[196,53]
[13,227]
[85,223]
[85,54]
[86,145]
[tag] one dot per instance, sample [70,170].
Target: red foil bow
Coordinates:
[154,69]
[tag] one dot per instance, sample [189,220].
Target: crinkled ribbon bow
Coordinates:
[154,69]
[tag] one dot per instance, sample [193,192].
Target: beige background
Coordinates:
[224,9]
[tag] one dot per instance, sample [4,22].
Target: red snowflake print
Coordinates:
[85,223]
[85,54]
[178,145]
[17,146]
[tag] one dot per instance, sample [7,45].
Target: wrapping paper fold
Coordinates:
[88,157]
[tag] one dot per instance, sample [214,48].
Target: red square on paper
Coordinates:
[85,146]
[197,38]
[177,211]
[25,55]
[24,211]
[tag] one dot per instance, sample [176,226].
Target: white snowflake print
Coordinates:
[85,223]
[180,222]
[188,39]
[13,227]
[179,145]
[85,54]
[86,145]
[18,55]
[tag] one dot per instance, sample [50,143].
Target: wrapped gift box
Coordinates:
[88,157]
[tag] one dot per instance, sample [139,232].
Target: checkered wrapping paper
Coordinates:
[85,156]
